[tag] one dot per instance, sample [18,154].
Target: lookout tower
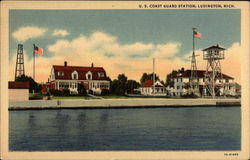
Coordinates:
[214,84]
[19,61]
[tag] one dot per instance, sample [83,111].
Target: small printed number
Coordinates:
[231,154]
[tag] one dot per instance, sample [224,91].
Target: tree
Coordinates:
[169,78]
[131,85]
[146,77]
[33,85]
[118,86]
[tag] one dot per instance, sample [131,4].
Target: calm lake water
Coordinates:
[192,128]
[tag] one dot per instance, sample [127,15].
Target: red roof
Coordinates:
[68,70]
[149,83]
[214,47]
[19,85]
[200,74]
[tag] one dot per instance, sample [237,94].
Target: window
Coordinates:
[60,73]
[178,87]
[88,75]
[101,74]
[227,80]
[74,75]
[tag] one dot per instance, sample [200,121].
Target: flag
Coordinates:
[38,50]
[197,34]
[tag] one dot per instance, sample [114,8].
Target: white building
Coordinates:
[94,79]
[147,88]
[181,81]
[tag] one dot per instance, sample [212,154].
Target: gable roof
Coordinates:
[19,85]
[200,74]
[68,70]
[149,83]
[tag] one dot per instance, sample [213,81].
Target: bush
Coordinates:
[81,90]
[191,95]
[55,92]
[66,92]
[91,92]
[35,96]
[104,92]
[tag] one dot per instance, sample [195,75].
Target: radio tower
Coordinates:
[193,77]
[19,62]
[214,84]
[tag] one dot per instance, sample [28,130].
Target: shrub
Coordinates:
[55,92]
[104,92]
[91,92]
[66,92]
[81,90]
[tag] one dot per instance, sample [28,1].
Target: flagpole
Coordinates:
[154,76]
[34,62]
[193,41]
[192,62]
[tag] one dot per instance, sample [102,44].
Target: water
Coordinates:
[197,128]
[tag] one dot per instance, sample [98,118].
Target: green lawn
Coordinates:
[71,97]
[114,97]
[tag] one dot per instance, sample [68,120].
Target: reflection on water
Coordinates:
[199,128]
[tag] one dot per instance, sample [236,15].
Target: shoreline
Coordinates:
[121,103]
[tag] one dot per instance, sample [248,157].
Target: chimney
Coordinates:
[92,65]
[182,70]
[65,63]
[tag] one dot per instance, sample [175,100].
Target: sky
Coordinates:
[123,41]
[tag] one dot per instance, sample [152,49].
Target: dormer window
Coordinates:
[101,74]
[75,75]
[60,73]
[88,75]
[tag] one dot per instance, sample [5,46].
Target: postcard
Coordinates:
[124,80]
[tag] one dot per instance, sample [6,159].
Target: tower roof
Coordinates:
[214,47]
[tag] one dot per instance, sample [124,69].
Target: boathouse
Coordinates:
[150,89]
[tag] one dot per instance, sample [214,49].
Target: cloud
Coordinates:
[167,50]
[28,32]
[60,32]
[104,45]
[133,59]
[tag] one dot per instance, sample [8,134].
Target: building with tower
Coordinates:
[210,82]
[182,81]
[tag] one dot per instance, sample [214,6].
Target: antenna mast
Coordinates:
[19,62]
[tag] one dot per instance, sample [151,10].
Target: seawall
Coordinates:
[120,103]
